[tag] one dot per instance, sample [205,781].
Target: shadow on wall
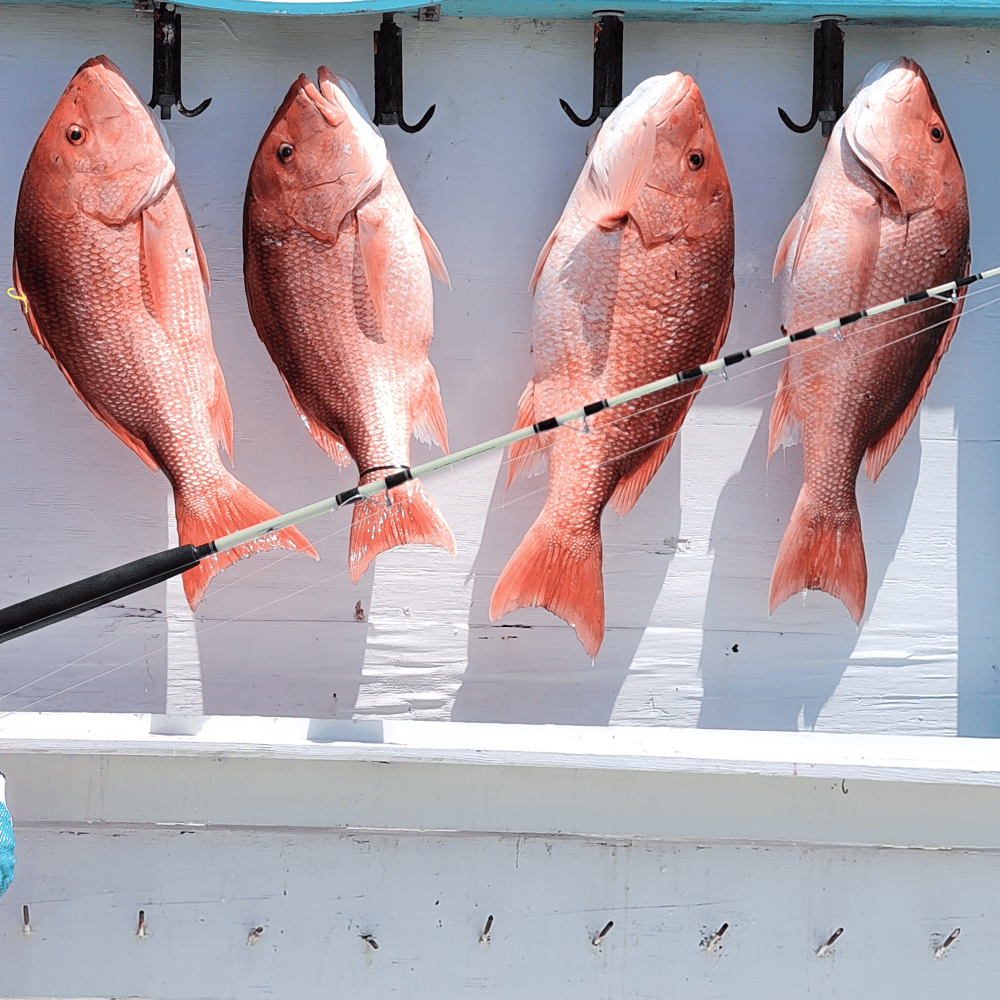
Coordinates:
[262,666]
[763,674]
[529,667]
[978,553]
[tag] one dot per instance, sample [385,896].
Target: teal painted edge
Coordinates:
[909,12]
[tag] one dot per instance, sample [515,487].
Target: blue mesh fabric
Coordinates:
[6,849]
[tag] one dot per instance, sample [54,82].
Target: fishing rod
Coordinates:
[83,595]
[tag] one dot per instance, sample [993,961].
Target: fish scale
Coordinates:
[635,282]
[111,273]
[887,211]
[336,268]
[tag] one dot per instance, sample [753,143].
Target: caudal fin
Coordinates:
[821,551]
[410,517]
[208,516]
[560,574]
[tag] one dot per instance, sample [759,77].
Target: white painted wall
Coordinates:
[686,572]
[417,832]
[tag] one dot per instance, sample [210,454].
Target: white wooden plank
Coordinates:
[687,571]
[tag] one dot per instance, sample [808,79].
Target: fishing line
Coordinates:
[813,347]
[831,367]
[205,626]
[83,595]
[469,473]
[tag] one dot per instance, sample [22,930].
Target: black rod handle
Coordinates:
[82,595]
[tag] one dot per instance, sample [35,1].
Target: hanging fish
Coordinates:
[887,211]
[337,271]
[635,283]
[112,278]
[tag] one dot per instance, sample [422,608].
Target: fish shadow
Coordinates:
[530,667]
[761,673]
[245,668]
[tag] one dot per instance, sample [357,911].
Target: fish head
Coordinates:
[684,188]
[101,151]
[319,159]
[895,128]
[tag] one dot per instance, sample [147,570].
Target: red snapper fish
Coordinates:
[338,279]
[113,278]
[635,283]
[887,213]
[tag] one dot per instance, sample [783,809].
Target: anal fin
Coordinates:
[630,487]
[527,457]
[430,425]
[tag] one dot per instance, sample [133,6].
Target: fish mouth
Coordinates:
[658,94]
[335,88]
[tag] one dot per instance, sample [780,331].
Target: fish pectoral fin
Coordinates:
[879,453]
[863,235]
[375,257]
[154,252]
[542,258]
[429,424]
[434,259]
[630,487]
[527,457]
[783,429]
[618,172]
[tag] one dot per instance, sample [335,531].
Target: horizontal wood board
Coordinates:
[898,12]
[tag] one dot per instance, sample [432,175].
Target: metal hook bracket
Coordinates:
[389,77]
[609,34]
[167,63]
[828,76]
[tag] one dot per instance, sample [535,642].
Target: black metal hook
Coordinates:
[167,63]
[389,78]
[609,33]
[828,76]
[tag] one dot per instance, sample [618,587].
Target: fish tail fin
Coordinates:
[411,517]
[547,571]
[821,552]
[210,516]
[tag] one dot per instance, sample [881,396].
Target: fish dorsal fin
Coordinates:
[434,259]
[198,248]
[617,172]
[879,453]
[542,258]
[527,457]
[373,244]
[783,427]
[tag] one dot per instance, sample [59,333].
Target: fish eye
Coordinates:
[937,134]
[285,152]
[696,159]
[76,134]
